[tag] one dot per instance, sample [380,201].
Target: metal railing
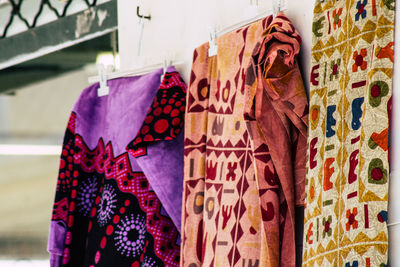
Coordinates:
[59,10]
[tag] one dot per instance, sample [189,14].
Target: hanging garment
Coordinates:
[121,172]
[348,168]
[241,184]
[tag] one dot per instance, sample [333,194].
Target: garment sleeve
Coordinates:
[59,218]
[283,100]
[285,93]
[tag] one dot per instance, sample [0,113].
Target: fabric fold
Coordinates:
[165,117]
[162,162]
[278,123]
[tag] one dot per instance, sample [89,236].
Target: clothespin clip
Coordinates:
[213,48]
[276,7]
[165,67]
[103,88]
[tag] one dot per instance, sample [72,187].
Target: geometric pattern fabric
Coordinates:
[221,223]
[233,201]
[348,165]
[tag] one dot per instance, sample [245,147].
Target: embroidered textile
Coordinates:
[239,203]
[114,208]
[348,168]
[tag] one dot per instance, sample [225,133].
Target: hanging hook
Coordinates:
[141,16]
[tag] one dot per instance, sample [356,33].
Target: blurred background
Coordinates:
[48,49]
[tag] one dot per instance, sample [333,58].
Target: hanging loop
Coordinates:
[213,47]
[276,7]
[166,63]
[254,2]
[141,16]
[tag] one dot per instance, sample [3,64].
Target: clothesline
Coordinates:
[279,5]
[133,72]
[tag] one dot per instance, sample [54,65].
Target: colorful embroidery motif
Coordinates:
[348,167]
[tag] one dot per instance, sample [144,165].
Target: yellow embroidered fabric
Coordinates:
[347,163]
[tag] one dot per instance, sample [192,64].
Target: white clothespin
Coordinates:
[103,88]
[276,7]
[213,48]
[166,63]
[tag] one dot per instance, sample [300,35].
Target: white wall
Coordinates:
[177,27]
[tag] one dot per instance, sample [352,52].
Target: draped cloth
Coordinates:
[119,187]
[348,166]
[245,143]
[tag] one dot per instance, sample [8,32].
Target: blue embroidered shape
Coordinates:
[355,264]
[382,216]
[361,11]
[356,110]
[330,120]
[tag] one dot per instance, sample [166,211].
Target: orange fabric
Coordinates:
[328,171]
[382,139]
[245,149]
[386,52]
[277,113]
